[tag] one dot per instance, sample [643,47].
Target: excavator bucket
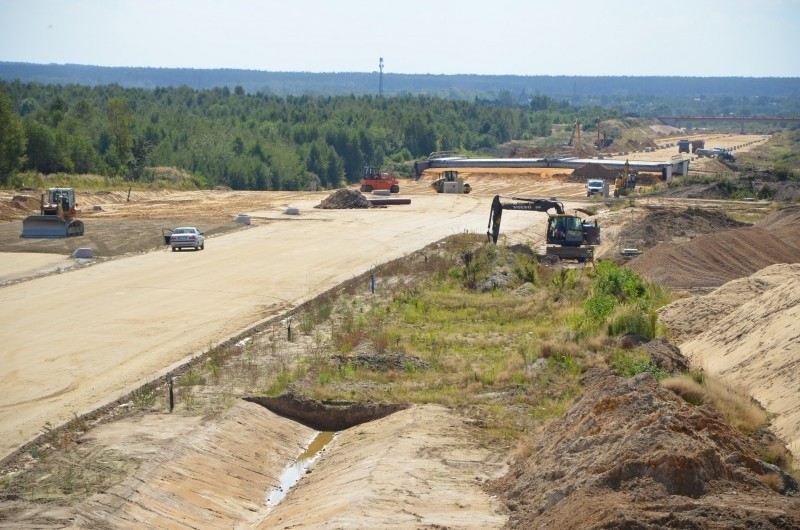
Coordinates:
[50,226]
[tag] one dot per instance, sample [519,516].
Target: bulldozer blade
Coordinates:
[50,226]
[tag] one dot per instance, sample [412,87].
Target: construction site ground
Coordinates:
[79,334]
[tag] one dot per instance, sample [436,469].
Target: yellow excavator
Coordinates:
[57,218]
[625,182]
[568,236]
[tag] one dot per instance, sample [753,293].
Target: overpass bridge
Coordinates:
[676,120]
[676,165]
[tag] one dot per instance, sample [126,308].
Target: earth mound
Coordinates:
[710,260]
[755,183]
[665,225]
[632,454]
[344,199]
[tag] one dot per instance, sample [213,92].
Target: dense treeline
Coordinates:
[250,141]
[263,141]
[577,89]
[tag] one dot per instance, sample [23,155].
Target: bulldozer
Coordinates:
[568,236]
[450,182]
[625,182]
[373,179]
[57,218]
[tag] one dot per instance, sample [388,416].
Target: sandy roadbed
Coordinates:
[78,340]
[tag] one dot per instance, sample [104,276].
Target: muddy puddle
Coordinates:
[291,475]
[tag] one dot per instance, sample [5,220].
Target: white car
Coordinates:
[187,237]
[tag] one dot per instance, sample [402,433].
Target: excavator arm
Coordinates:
[523,203]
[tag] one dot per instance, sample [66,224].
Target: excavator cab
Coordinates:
[565,230]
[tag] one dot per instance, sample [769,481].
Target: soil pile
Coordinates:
[760,184]
[665,225]
[710,260]
[632,454]
[748,332]
[596,171]
[19,206]
[344,199]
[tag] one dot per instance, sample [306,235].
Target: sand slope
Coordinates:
[751,337]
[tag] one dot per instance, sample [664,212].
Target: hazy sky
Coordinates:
[518,37]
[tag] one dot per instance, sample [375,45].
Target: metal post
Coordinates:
[171,393]
[372,282]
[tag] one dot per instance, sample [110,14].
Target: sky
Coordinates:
[750,38]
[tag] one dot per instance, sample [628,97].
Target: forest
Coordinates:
[577,89]
[227,136]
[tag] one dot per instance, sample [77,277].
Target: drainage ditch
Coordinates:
[327,417]
[291,475]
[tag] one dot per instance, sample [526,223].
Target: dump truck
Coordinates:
[683,145]
[450,182]
[568,236]
[698,144]
[57,218]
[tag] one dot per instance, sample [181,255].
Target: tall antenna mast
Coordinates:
[380,82]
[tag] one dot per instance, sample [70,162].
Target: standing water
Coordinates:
[292,473]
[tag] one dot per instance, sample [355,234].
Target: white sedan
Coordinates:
[187,237]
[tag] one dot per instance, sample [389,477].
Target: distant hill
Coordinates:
[471,86]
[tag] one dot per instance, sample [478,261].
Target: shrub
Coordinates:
[599,306]
[629,319]
[630,363]
[525,269]
[622,283]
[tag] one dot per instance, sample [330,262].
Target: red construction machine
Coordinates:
[373,179]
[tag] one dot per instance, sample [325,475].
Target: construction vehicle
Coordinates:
[450,182]
[568,236]
[57,218]
[683,145]
[625,182]
[603,142]
[373,179]
[575,137]
[726,156]
[698,144]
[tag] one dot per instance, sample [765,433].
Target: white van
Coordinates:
[594,186]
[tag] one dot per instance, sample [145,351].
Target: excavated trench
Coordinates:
[326,417]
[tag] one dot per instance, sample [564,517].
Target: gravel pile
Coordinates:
[344,199]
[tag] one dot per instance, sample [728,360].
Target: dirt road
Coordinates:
[82,338]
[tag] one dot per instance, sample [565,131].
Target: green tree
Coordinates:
[120,119]
[140,157]
[12,140]
[45,153]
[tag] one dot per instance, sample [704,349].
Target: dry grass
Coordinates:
[735,404]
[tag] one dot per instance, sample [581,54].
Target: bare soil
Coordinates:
[629,455]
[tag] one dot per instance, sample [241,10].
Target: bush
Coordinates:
[629,319]
[623,284]
[599,307]
[628,364]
